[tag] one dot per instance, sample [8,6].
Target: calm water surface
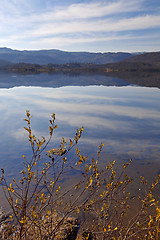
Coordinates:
[125,118]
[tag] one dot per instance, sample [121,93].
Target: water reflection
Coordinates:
[126,119]
[8,80]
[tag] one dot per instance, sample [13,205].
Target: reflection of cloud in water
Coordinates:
[126,119]
[66,99]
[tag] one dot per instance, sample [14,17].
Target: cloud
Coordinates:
[96,21]
[92,10]
[110,110]
[106,25]
[64,18]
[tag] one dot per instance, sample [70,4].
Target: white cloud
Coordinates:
[61,19]
[106,25]
[21,24]
[73,11]
[91,10]
[66,41]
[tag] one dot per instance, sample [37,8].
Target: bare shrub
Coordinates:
[42,208]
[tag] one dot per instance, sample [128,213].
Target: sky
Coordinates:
[86,25]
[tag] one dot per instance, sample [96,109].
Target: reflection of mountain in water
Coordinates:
[58,80]
[8,80]
[144,79]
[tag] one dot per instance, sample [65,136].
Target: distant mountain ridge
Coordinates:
[60,57]
[61,61]
[151,57]
[142,62]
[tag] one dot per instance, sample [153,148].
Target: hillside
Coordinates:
[80,62]
[152,57]
[60,57]
[139,63]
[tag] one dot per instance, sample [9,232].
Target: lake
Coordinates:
[125,117]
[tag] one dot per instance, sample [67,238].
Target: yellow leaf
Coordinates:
[77,209]
[29,168]
[150,221]
[12,190]
[77,150]
[22,220]
[90,181]
[86,170]
[70,143]
[80,162]
[158,212]
[28,113]
[27,129]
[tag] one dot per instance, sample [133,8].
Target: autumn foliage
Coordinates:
[96,206]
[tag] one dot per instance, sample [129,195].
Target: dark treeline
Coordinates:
[148,62]
[78,67]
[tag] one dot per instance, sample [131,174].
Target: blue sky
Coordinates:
[86,25]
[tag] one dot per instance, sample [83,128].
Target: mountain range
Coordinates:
[61,61]
[140,68]
[53,56]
